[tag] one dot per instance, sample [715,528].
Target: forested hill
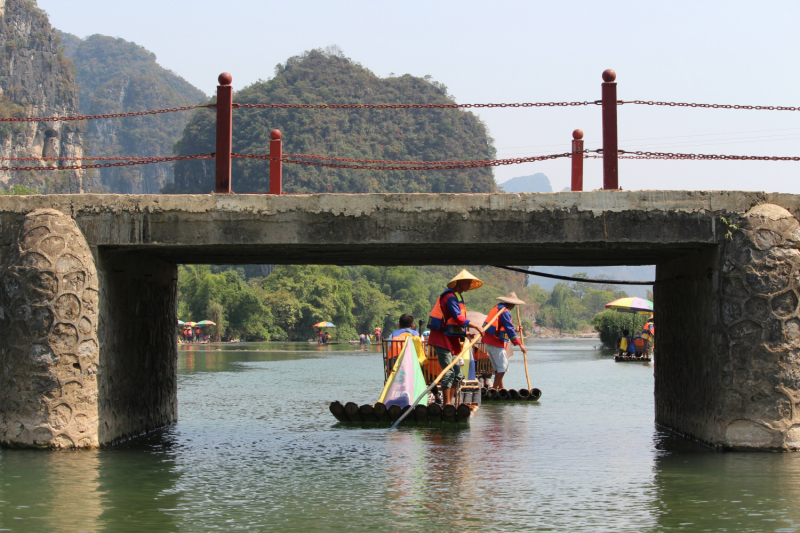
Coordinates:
[117,76]
[326,76]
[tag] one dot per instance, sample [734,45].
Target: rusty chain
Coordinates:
[711,106]
[115,158]
[404,165]
[703,157]
[409,106]
[111,115]
[142,161]
[368,164]
[625,154]
[395,106]
[382,161]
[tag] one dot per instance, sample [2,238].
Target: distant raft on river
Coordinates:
[631,359]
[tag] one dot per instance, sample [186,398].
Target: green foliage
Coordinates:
[356,299]
[572,305]
[216,314]
[610,325]
[244,312]
[10,109]
[19,190]
[117,76]
[286,303]
[729,228]
[319,76]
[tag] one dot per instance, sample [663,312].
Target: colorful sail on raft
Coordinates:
[406,381]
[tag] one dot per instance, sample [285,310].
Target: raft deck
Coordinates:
[432,415]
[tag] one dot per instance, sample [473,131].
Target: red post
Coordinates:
[577,160]
[610,146]
[275,164]
[224,133]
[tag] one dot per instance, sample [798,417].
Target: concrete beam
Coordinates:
[537,228]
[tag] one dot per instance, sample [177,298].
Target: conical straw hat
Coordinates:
[511,298]
[475,282]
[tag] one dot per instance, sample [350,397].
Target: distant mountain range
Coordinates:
[536,183]
[117,76]
[633,273]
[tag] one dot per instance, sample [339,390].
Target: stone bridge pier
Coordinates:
[727,369]
[88,290]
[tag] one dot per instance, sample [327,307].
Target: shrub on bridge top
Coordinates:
[326,76]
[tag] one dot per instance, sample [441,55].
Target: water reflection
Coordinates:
[50,491]
[699,490]
[255,449]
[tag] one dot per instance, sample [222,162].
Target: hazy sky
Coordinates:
[501,51]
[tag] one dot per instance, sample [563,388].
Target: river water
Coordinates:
[256,449]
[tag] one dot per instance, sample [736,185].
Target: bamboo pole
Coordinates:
[465,349]
[524,354]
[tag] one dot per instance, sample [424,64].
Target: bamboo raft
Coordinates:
[510,395]
[432,415]
[469,395]
[631,359]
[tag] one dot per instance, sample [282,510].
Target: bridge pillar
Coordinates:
[87,348]
[727,367]
[138,344]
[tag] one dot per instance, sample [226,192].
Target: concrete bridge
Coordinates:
[88,291]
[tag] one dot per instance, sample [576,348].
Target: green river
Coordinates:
[255,449]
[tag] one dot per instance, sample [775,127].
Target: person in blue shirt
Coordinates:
[406,325]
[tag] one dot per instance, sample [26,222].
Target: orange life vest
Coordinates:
[496,328]
[640,344]
[451,327]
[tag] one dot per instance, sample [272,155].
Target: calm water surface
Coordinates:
[257,450]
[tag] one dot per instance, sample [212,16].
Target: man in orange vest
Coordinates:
[497,335]
[648,334]
[448,325]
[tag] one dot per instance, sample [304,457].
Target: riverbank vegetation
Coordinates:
[283,305]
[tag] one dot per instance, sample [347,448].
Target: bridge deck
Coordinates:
[581,228]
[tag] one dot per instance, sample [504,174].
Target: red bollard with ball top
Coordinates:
[224,134]
[610,147]
[577,161]
[275,163]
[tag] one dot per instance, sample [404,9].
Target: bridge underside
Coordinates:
[575,254]
[89,287]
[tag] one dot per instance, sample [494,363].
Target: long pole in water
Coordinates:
[524,354]
[467,347]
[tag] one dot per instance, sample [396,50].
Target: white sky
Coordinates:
[728,52]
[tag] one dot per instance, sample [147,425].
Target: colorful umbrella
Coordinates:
[190,324]
[181,323]
[206,323]
[323,325]
[632,305]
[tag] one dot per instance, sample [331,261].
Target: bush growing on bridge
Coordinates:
[611,323]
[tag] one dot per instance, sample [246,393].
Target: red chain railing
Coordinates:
[138,161]
[225,105]
[110,115]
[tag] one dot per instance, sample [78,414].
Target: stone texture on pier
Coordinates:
[48,336]
[728,336]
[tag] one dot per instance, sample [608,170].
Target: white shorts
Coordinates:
[498,358]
